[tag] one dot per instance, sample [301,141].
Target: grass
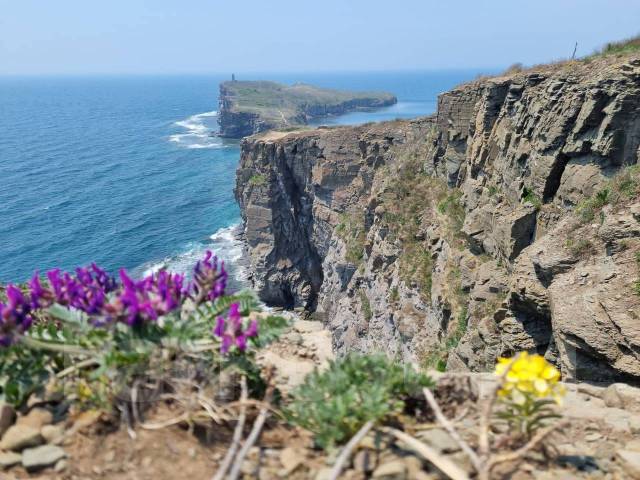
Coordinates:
[351,230]
[623,186]
[366,305]
[623,47]
[287,104]
[582,247]
[258,180]
[394,296]
[528,196]
[437,358]
[414,200]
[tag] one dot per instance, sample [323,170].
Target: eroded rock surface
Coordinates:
[501,263]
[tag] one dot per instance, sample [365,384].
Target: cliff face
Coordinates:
[246,108]
[510,220]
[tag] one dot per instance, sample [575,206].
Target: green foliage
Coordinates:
[528,196]
[527,417]
[351,230]
[412,200]
[582,247]
[624,186]
[366,305]
[438,356]
[108,359]
[394,296]
[22,372]
[624,47]
[336,403]
[284,105]
[258,180]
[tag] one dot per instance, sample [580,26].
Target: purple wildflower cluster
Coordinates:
[209,282]
[15,315]
[93,291]
[231,332]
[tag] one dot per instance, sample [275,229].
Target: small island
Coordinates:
[249,107]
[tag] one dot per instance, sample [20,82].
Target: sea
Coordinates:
[126,171]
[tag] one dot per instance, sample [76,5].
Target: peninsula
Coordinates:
[249,107]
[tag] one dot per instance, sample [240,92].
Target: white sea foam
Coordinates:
[198,132]
[225,243]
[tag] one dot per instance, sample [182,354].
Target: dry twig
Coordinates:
[255,431]
[443,464]
[450,428]
[237,434]
[348,449]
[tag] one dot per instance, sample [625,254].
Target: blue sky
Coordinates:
[202,36]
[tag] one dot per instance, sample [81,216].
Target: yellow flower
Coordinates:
[528,375]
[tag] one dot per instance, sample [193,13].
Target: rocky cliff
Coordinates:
[508,221]
[249,107]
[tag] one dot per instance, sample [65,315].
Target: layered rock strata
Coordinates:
[509,220]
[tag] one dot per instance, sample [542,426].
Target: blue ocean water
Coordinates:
[124,171]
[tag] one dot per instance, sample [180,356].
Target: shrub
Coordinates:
[258,180]
[528,196]
[581,247]
[336,403]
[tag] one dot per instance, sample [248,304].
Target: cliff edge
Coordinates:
[247,107]
[508,221]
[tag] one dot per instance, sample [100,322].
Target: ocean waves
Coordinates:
[226,243]
[197,132]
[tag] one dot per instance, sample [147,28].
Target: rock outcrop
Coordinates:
[246,108]
[508,221]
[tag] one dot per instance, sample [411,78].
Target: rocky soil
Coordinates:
[453,239]
[602,440]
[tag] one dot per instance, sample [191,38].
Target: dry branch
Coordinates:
[346,451]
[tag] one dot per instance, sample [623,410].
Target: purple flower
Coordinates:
[231,332]
[145,300]
[209,283]
[15,315]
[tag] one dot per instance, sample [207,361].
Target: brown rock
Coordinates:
[7,417]
[36,418]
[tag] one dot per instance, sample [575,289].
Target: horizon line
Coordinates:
[488,69]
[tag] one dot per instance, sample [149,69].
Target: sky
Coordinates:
[215,36]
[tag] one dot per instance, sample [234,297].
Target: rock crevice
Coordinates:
[454,238]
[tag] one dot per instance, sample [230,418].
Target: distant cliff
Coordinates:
[508,221]
[246,108]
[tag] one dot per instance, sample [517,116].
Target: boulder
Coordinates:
[20,437]
[9,459]
[36,418]
[42,457]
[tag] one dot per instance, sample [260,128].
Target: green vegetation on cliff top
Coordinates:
[289,104]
